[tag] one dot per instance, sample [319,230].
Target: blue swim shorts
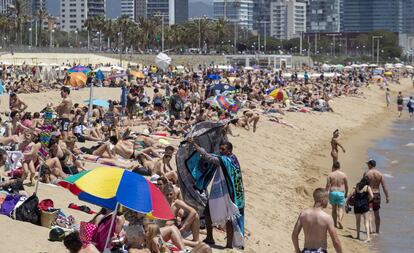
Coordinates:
[337,198]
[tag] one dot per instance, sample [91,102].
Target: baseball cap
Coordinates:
[372,163]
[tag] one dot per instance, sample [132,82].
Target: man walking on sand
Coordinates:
[337,186]
[376,179]
[316,224]
[335,144]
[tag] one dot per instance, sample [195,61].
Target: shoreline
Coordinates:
[357,142]
[282,166]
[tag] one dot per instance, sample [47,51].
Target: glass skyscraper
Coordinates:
[323,16]
[370,15]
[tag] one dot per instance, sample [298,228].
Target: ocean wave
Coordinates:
[410,144]
[394,162]
[403,187]
[388,175]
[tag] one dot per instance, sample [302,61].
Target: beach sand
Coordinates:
[281,167]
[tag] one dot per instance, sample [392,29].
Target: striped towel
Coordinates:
[222,208]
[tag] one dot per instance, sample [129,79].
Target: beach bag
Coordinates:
[28,211]
[8,204]
[102,231]
[87,232]
[47,218]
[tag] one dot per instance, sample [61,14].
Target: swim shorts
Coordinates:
[64,124]
[375,203]
[320,250]
[337,198]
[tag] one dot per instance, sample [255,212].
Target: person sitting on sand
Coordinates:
[162,167]
[73,243]
[16,104]
[337,186]
[316,224]
[335,144]
[187,218]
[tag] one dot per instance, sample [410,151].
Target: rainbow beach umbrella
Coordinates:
[110,187]
[279,94]
[78,69]
[224,103]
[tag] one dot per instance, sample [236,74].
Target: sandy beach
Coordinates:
[281,167]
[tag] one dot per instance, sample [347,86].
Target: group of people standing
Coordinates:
[365,198]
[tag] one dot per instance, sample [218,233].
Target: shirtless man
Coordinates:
[376,179]
[337,186]
[16,104]
[316,223]
[252,117]
[335,144]
[63,111]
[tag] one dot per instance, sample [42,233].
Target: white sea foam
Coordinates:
[394,162]
[412,129]
[410,144]
[388,175]
[403,187]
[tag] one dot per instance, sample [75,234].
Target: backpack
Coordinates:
[158,101]
[178,104]
[9,203]
[28,211]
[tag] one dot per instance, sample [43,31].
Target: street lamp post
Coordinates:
[30,37]
[99,34]
[373,47]
[162,29]
[120,48]
[76,38]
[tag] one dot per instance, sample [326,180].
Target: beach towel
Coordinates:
[194,173]
[9,203]
[227,198]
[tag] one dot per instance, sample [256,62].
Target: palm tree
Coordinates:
[89,24]
[149,29]
[41,15]
[109,31]
[221,28]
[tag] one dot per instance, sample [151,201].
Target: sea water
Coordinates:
[395,159]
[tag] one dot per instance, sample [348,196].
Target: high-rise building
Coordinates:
[370,15]
[160,7]
[261,16]
[174,11]
[287,19]
[4,5]
[140,9]
[128,8]
[180,11]
[96,8]
[239,11]
[407,16]
[73,13]
[323,16]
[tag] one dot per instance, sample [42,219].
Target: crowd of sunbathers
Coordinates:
[141,130]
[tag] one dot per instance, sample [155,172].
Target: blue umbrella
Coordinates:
[214,77]
[98,102]
[223,88]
